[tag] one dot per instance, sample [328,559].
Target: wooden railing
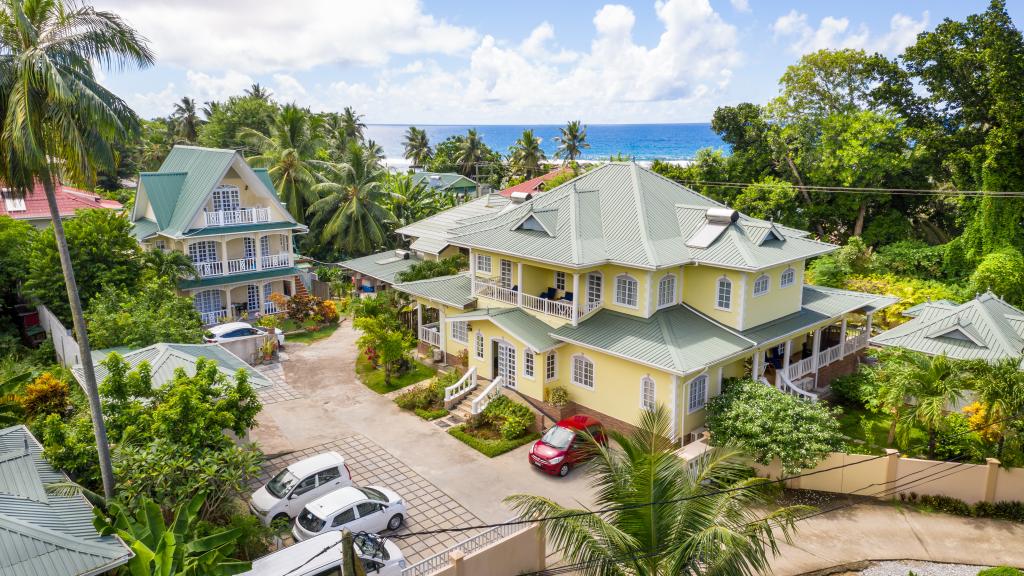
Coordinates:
[456,392]
[233,217]
[206,269]
[490,393]
[430,334]
[241,265]
[276,261]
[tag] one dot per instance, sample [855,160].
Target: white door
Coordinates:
[507,364]
[593,287]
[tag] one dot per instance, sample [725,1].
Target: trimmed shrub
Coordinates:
[46,395]
[558,396]
[1001,571]
[1005,510]
[512,419]
[855,389]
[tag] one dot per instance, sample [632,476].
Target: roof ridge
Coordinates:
[36,532]
[641,216]
[666,337]
[996,329]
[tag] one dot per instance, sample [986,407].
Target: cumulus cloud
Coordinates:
[740,5]
[833,32]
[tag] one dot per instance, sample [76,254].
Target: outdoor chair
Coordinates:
[568,296]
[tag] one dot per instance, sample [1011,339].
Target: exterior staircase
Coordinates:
[467,397]
[300,287]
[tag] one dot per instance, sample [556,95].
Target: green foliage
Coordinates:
[763,421]
[16,240]
[490,447]
[252,538]
[833,269]
[1001,272]
[771,199]
[223,128]
[511,418]
[1001,571]
[910,291]
[373,378]
[434,268]
[428,401]
[526,155]
[302,308]
[151,313]
[104,254]
[46,395]
[955,439]
[911,258]
[558,396]
[857,389]
[388,344]
[1006,510]
[571,141]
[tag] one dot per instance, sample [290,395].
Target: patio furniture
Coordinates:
[548,294]
[568,297]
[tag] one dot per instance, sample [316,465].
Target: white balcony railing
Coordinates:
[234,217]
[277,261]
[560,308]
[207,269]
[855,343]
[213,317]
[430,334]
[270,307]
[241,265]
[783,383]
[495,292]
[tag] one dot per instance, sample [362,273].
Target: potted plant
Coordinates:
[268,350]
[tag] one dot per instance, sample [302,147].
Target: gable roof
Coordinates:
[451,290]
[448,181]
[985,328]
[533,184]
[383,266]
[165,358]
[432,234]
[527,328]
[69,201]
[46,534]
[621,213]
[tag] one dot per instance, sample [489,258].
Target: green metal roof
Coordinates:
[165,358]
[451,290]
[527,328]
[819,305]
[238,278]
[162,191]
[444,181]
[45,534]
[676,339]
[383,265]
[915,310]
[217,230]
[432,234]
[624,214]
[264,175]
[985,328]
[144,228]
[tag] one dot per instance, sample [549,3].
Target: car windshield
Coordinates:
[282,484]
[370,547]
[558,437]
[310,522]
[374,494]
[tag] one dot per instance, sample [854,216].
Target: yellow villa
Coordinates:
[630,290]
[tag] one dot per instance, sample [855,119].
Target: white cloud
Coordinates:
[740,5]
[835,33]
[287,88]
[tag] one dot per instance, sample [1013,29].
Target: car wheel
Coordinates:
[395,523]
[563,470]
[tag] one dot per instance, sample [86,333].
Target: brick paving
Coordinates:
[279,391]
[428,507]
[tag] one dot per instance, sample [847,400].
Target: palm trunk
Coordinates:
[999,449]
[84,350]
[932,436]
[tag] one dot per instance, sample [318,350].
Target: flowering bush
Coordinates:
[328,311]
[46,395]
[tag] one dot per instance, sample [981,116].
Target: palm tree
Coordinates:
[668,517]
[289,154]
[471,153]
[258,92]
[186,120]
[170,264]
[526,154]
[210,108]
[352,124]
[57,116]
[350,213]
[935,382]
[417,146]
[411,201]
[1000,388]
[571,142]
[376,151]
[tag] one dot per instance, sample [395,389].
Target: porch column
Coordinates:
[419,318]
[519,281]
[224,253]
[868,328]
[259,252]
[814,353]
[575,298]
[472,274]
[842,336]
[227,300]
[785,359]
[442,328]
[755,364]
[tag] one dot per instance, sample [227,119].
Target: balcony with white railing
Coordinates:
[269,307]
[271,261]
[207,269]
[241,265]
[235,217]
[565,309]
[827,356]
[430,334]
[213,316]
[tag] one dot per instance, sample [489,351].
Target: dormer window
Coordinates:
[626,288]
[788,277]
[724,299]
[666,290]
[761,285]
[225,198]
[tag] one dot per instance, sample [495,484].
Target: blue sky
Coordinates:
[457,62]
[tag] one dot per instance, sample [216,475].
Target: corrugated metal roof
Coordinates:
[164,358]
[383,265]
[451,290]
[428,245]
[444,181]
[162,190]
[818,305]
[44,534]
[915,310]
[437,228]
[144,228]
[240,228]
[989,329]
[238,278]
[528,329]
[624,214]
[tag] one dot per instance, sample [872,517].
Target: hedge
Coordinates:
[491,448]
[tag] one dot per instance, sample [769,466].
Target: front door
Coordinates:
[505,278]
[505,363]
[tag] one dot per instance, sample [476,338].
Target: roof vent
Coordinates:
[520,197]
[718,219]
[403,254]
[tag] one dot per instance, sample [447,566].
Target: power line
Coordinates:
[867,190]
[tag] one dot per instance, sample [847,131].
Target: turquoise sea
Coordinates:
[642,142]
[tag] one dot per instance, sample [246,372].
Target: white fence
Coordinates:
[63,339]
[430,334]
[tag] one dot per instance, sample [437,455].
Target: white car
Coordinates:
[234,330]
[318,555]
[369,509]
[300,483]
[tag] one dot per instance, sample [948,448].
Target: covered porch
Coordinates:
[246,301]
[551,292]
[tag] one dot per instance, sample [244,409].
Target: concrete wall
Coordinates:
[520,553]
[63,339]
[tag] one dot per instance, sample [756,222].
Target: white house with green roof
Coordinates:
[447,182]
[211,205]
[631,290]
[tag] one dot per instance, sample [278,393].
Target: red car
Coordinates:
[561,447]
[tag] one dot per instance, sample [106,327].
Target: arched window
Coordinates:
[724,299]
[761,285]
[583,371]
[667,290]
[480,344]
[787,278]
[647,401]
[626,288]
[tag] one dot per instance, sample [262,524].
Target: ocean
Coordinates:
[641,142]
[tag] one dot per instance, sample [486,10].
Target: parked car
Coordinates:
[368,509]
[300,483]
[316,556]
[562,447]
[234,330]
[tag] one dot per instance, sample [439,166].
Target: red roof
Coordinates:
[68,201]
[533,185]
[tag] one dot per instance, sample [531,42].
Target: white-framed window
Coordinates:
[583,371]
[160,245]
[528,363]
[626,288]
[249,246]
[594,282]
[265,245]
[761,285]
[480,344]
[483,263]
[551,366]
[505,277]
[209,301]
[647,401]
[252,293]
[286,243]
[698,393]
[723,300]
[460,332]
[666,290]
[787,278]
[268,289]
[560,281]
[203,251]
[11,202]
[225,198]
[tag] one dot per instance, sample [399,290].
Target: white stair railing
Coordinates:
[804,366]
[490,393]
[783,383]
[458,391]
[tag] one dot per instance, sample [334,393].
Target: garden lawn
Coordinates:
[869,431]
[373,378]
[302,336]
[491,447]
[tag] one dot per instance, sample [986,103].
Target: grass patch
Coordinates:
[305,337]
[870,430]
[373,378]
[431,414]
[490,447]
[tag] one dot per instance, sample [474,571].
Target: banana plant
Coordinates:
[162,550]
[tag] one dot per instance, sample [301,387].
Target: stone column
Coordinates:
[892,463]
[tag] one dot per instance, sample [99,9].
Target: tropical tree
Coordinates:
[56,115]
[186,120]
[258,92]
[352,123]
[152,313]
[169,264]
[1000,389]
[470,153]
[411,201]
[526,154]
[928,385]
[571,142]
[665,516]
[350,214]
[417,146]
[289,154]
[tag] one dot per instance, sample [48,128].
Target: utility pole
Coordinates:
[351,565]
